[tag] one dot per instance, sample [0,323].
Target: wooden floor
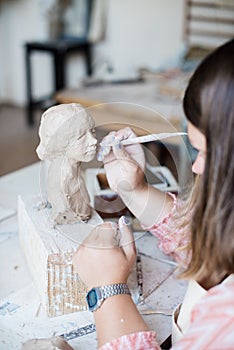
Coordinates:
[17,141]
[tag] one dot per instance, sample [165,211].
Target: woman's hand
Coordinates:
[101,261]
[106,256]
[125,173]
[124,166]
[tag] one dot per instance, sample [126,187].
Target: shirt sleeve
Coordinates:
[172,236]
[212,321]
[134,341]
[212,324]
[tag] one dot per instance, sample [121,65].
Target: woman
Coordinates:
[203,243]
[67,138]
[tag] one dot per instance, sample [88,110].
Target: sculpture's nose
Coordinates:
[40,151]
[92,139]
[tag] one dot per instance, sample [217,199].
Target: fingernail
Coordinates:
[103,152]
[123,221]
[117,145]
[113,224]
[104,143]
[100,157]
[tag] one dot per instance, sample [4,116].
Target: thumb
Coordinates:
[126,239]
[120,152]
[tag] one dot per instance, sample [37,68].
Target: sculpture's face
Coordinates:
[67,131]
[83,147]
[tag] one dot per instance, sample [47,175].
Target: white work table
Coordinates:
[21,315]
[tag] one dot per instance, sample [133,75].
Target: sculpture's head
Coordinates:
[67,130]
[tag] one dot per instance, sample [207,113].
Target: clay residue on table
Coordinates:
[55,343]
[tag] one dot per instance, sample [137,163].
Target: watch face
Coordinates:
[92,298]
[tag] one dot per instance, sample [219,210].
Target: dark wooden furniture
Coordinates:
[59,49]
[208,23]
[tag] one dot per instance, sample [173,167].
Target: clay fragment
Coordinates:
[54,343]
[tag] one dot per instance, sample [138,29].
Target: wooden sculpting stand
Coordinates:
[48,251]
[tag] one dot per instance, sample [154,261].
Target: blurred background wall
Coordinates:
[138,34]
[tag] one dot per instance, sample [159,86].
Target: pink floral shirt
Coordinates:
[212,318]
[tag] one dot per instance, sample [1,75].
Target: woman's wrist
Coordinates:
[135,199]
[109,302]
[148,204]
[116,317]
[127,194]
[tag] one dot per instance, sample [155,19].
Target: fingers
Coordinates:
[113,138]
[105,150]
[102,153]
[103,236]
[120,152]
[127,240]
[91,262]
[125,133]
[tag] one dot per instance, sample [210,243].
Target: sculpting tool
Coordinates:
[166,312]
[79,332]
[146,138]
[139,278]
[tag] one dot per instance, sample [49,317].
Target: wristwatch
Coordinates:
[96,296]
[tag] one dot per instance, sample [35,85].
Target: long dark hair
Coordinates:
[209,105]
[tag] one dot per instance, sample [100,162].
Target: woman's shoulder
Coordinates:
[217,302]
[212,321]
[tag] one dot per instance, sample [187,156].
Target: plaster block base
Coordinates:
[48,250]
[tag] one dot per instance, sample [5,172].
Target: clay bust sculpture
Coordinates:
[67,138]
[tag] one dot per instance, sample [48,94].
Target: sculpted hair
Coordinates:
[209,106]
[59,124]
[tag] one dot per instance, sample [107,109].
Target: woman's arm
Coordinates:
[125,169]
[101,261]
[149,205]
[116,317]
